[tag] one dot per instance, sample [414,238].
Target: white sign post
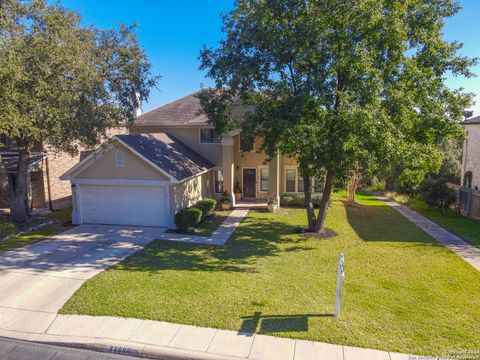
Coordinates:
[341,275]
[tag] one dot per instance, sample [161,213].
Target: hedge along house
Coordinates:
[141,179]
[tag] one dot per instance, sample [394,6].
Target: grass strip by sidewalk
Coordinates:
[466,228]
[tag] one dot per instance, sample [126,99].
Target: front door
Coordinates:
[249,183]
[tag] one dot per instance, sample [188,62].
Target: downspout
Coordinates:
[49,189]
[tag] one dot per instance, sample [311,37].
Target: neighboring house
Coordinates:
[471,154]
[46,190]
[171,159]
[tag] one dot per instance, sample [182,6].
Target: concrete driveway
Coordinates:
[41,277]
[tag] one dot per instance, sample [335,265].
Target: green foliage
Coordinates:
[63,84]
[437,194]
[188,218]
[206,206]
[410,180]
[451,167]
[330,99]
[299,200]
[286,200]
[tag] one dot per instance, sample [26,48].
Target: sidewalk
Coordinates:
[219,237]
[465,250]
[154,339]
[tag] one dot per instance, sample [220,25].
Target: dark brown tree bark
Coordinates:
[14,189]
[323,207]
[307,188]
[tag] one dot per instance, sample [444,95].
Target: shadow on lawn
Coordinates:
[266,324]
[258,238]
[381,223]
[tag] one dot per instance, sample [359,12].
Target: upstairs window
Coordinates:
[119,159]
[246,144]
[209,136]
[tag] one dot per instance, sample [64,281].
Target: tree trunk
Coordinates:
[322,210]
[15,190]
[307,187]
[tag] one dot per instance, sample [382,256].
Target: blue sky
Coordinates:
[173,32]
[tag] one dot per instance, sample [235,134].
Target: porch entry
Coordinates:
[249,182]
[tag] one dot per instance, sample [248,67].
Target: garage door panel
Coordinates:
[124,205]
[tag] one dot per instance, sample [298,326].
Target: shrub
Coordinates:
[316,198]
[299,200]
[186,219]
[206,206]
[437,194]
[286,200]
[409,181]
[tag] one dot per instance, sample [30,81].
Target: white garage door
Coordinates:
[124,205]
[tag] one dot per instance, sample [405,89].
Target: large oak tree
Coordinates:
[338,84]
[62,84]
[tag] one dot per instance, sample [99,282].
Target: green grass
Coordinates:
[210,224]
[15,242]
[403,291]
[468,229]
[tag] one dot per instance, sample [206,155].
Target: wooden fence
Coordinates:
[469,202]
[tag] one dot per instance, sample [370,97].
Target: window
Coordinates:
[300,186]
[218,181]
[119,159]
[209,136]
[467,179]
[246,144]
[290,180]
[264,178]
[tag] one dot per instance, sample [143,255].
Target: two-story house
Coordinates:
[172,158]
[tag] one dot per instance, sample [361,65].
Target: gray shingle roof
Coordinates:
[168,153]
[473,120]
[184,111]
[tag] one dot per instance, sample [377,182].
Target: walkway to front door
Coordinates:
[249,183]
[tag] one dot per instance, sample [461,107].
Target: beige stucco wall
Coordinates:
[255,159]
[190,136]
[250,159]
[189,192]
[471,154]
[135,167]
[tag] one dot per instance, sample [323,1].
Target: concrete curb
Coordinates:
[110,346]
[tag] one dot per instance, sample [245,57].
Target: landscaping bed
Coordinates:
[58,221]
[403,291]
[208,226]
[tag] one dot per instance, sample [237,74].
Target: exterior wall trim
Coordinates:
[121,182]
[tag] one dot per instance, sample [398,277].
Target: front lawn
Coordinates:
[208,226]
[211,223]
[7,228]
[403,291]
[466,228]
